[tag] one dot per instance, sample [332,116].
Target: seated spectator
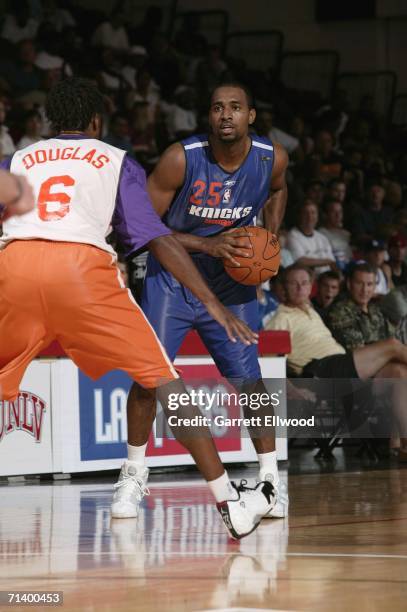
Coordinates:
[324,163]
[119,133]
[356,320]
[397,248]
[339,238]
[394,304]
[373,216]
[7,146]
[112,33]
[315,191]
[60,18]
[328,288]
[181,116]
[32,129]
[18,23]
[265,127]
[337,190]
[307,245]
[315,352]
[146,91]
[135,59]
[23,75]
[375,253]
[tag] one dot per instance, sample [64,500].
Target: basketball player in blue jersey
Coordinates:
[202,188]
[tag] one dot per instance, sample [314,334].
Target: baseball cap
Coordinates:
[375,245]
[397,240]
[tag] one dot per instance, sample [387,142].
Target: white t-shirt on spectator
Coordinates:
[106,35]
[7,146]
[316,246]
[14,33]
[290,143]
[339,240]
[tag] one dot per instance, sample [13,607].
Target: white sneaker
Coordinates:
[130,490]
[280,509]
[243,514]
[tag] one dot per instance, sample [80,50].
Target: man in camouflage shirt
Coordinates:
[355,320]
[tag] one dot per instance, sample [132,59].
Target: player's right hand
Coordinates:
[230,243]
[235,328]
[24,203]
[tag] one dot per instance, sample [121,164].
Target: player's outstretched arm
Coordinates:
[172,255]
[274,208]
[16,195]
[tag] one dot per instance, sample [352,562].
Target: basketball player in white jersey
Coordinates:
[59,281]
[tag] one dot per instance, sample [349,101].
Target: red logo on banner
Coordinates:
[26,413]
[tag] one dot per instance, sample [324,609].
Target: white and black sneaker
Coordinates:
[129,490]
[243,514]
[280,509]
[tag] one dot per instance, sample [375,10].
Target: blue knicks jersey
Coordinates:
[211,199]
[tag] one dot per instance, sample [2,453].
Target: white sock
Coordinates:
[268,465]
[222,488]
[137,454]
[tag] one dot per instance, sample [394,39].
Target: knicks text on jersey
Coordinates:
[212,199]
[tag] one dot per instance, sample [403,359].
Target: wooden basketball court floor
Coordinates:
[344,547]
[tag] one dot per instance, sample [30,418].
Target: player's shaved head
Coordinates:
[233,85]
[73,103]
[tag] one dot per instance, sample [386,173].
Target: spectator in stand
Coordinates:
[375,253]
[133,62]
[112,33]
[356,320]
[165,65]
[119,133]
[146,91]
[316,353]
[181,116]
[210,71]
[109,77]
[265,127]
[397,248]
[22,74]
[315,191]
[328,288]
[60,18]
[338,237]
[189,40]
[307,245]
[7,146]
[143,135]
[151,25]
[372,218]
[18,23]
[32,129]
[324,163]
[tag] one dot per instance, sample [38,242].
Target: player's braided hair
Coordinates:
[72,103]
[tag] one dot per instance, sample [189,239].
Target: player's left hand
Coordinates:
[234,242]
[235,328]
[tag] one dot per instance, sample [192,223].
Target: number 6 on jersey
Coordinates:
[54,206]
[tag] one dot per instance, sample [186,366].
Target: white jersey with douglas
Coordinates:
[75,182]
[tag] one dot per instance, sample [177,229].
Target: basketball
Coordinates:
[264,259]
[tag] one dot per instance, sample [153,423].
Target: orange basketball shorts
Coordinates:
[73,293]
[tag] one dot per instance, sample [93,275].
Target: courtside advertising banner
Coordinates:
[26,424]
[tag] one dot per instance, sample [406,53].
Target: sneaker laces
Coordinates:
[139,486]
